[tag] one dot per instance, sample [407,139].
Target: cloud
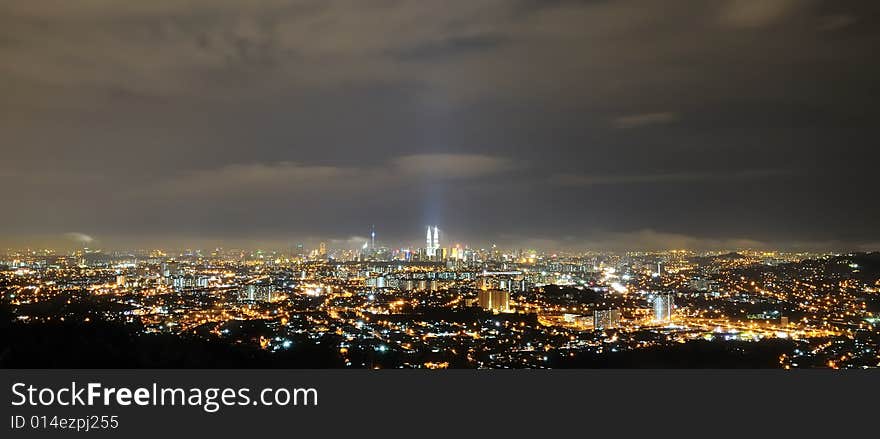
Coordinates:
[198,48]
[252,178]
[452,46]
[79,237]
[648,239]
[351,242]
[220,113]
[635,240]
[463,51]
[835,22]
[299,178]
[644,119]
[193,48]
[452,166]
[576,180]
[756,13]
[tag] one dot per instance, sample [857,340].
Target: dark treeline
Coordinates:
[100,344]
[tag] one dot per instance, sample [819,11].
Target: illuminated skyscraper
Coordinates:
[322,249]
[663,305]
[432,242]
[429,248]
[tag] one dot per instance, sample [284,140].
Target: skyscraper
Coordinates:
[663,305]
[432,242]
[494,300]
[429,248]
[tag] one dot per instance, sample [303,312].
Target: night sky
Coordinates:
[606,124]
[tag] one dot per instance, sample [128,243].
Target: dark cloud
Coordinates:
[622,178]
[566,122]
[459,45]
[638,120]
[756,13]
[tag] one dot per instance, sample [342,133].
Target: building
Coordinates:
[432,243]
[494,300]
[606,318]
[703,284]
[664,303]
[256,293]
[376,282]
[699,284]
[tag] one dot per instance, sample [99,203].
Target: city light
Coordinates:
[475,307]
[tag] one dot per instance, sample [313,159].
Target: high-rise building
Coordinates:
[429,244]
[457,253]
[606,318]
[432,242]
[494,300]
[256,292]
[365,251]
[322,249]
[664,303]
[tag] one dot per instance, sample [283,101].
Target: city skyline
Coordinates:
[641,241]
[431,308]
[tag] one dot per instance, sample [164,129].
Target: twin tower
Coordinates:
[432,240]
